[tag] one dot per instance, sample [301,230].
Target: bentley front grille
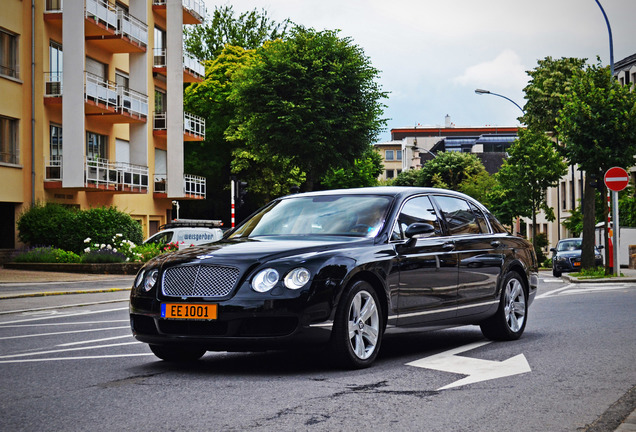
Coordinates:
[199,281]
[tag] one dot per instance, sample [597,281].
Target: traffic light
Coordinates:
[241,191]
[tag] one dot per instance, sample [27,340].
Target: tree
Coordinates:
[479,187]
[311,98]
[364,172]
[598,125]
[211,158]
[450,169]
[250,30]
[549,81]
[533,166]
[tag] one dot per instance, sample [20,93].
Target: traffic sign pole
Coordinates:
[616,179]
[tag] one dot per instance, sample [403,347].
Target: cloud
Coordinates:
[505,71]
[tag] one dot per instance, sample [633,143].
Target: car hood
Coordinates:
[260,249]
[569,254]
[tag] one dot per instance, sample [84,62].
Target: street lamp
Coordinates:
[482,91]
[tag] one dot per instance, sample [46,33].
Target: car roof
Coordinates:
[394,191]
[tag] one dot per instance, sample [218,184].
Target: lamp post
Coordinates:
[482,91]
[615,232]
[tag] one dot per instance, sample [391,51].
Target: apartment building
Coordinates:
[91,112]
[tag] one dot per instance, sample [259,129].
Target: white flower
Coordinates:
[114,250]
[87,239]
[109,247]
[119,235]
[102,246]
[96,245]
[87,250]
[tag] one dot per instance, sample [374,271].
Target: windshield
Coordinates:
[569,245]
[349,215]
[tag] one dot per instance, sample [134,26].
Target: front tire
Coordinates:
[357,328]
[509,321]
[177,353]
[556,273]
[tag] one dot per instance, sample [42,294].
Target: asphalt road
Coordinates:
[68,362]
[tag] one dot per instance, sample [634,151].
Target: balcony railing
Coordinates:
[193,65]
[52,83]
[102,11]
[100,90]
[189,63]
[193,186]
[121,176]
[192,124]
[132,102]
[196,7]
[131,27]
[53,5]
[53,169]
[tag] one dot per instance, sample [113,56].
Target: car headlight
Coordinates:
[139,278]
[297,278]
[265,280]
[150,279]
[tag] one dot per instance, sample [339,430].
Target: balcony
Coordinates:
[53,88]
[193,186]
[105,98]
[193,10]
[193,70]
[193,126]
[101,175]
[110,28]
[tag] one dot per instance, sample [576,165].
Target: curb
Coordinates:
[105,268]
[55,293]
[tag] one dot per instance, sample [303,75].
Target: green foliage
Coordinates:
[406,178]
[249,30]
[593,273]
[541,241]
[627,207]
[55,225]
[574,223]
[103,256]
[479,187]
[532,167]
[549,81]
[365,172]
[47,255]
[311,99]
[145,252]
[450,169]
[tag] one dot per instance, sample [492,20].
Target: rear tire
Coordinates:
[177,353]
[358,327]
[509,322]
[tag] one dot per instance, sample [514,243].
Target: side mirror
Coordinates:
[419,229]
[600,247]
[553,250]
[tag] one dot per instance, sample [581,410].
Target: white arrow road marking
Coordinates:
[476,369]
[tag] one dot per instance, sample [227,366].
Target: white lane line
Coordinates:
[75,358]
[62,306]
[64,324]
[556,291]
[64,332]
[94,340]
[55,316]
[68,349]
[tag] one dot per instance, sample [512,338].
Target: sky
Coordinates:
[432,55]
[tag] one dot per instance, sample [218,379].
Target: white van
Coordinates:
[187,232]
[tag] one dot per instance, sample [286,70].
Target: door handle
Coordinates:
[495,243]
[448,246]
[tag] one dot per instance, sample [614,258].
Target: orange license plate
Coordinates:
[577,264]
[189,311]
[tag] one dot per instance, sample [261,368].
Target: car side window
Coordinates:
[418,209]
[459,217]
[481,219]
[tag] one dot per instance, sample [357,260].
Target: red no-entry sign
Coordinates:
[616,179]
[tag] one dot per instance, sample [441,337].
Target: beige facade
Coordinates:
[391,153]
[91,112]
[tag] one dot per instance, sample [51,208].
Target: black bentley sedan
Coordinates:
[339,268]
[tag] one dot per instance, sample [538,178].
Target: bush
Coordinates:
[103,256]
[65,228]
[47,255]
[145,252]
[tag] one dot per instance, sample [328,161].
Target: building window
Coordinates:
[388,155]
[398,155]
[389,174]
[55,142]
[8,54]
[96,146]
[122,80]
[9,140]
[160,101]
[564,198]
[160,47]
